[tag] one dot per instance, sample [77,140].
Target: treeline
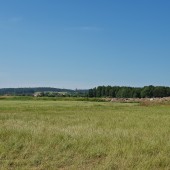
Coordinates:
[129,92]
[32,91]
[100,91]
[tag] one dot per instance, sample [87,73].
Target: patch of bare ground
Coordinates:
[142,101]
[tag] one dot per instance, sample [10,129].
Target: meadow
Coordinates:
[46,134]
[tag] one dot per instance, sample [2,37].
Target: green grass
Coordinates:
[40,134]
[26,98]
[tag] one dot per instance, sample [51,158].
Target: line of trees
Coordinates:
[47,91]
[129,92]
[100,91]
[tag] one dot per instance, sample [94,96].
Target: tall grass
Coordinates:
[83,135]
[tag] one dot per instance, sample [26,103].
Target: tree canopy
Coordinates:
[129,92]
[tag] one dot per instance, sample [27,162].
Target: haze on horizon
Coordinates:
[83,44]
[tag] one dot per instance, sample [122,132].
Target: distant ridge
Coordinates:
[32,90]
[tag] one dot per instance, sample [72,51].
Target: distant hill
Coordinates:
[32,90]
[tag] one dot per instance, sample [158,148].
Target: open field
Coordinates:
[44,135]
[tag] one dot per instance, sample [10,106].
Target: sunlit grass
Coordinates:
[83,135]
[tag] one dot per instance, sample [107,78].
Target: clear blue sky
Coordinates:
[84,43]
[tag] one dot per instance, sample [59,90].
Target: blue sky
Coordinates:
[83,44]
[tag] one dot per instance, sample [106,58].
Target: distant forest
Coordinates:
[129,92]
[45,90]
[100,91]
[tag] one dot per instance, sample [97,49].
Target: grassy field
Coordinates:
[83,135]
